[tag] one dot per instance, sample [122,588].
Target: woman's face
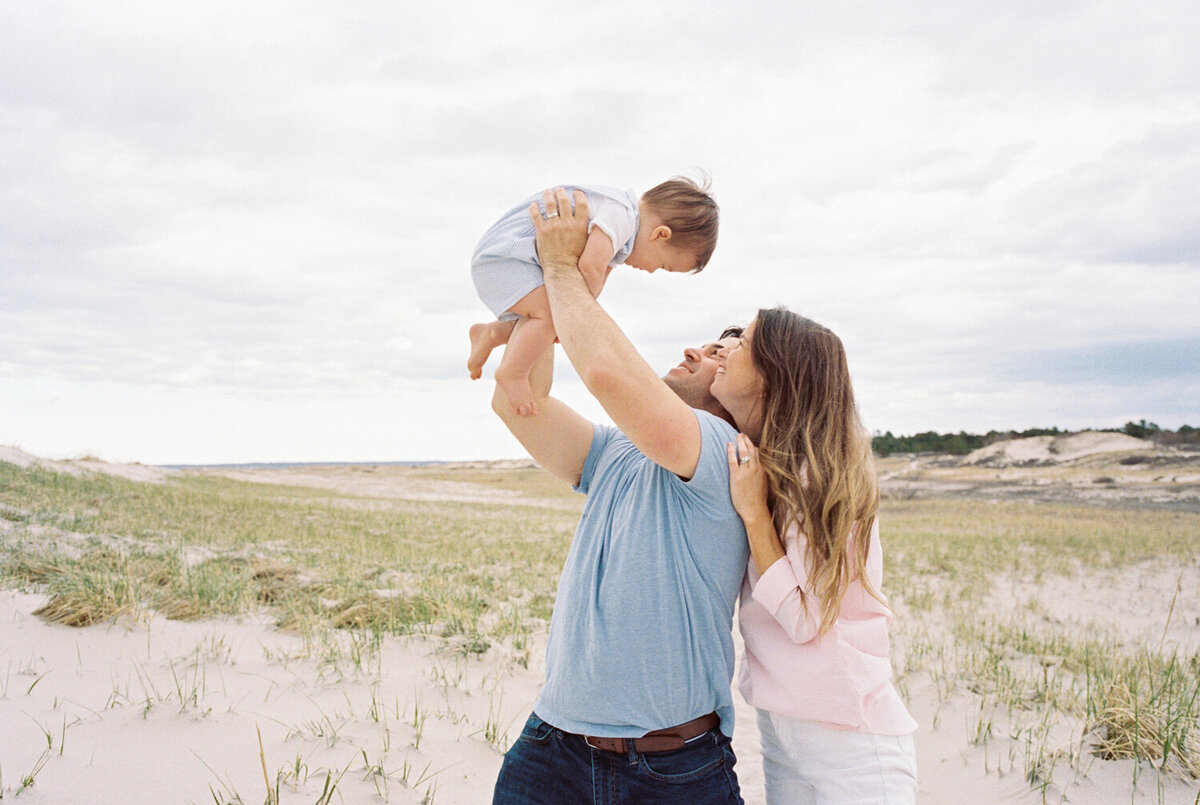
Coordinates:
[738,385]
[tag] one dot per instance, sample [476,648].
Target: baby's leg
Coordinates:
[525,346]
[485,338]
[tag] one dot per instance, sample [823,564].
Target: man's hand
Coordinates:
[653,417]
[562,231]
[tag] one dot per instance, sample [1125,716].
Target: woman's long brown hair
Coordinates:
[816,454]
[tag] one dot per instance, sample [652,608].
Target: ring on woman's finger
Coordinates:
[744,460]
[551,214]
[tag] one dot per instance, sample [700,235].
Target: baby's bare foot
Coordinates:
[519,392]
[482,345]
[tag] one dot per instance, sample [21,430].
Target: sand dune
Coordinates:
[1045,450]
[134,472]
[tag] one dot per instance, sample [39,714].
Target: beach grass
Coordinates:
[102,546]
[1058,693]
[1052,696]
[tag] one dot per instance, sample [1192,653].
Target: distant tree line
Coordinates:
[953,443]
[1142,429]
[960,443]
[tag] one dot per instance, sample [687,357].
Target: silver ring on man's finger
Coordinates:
[551,214]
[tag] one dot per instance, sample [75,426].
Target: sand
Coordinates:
[162,711]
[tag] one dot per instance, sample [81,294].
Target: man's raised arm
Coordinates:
[659,423]
[556,437]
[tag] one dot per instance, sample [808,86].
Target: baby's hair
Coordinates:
[690,211]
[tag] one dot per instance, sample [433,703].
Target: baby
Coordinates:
[673,227]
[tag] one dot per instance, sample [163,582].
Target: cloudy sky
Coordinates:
[238,232]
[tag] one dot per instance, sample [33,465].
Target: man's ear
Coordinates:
[662,231]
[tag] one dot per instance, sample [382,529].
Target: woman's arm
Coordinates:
[780,583]
[781,592]
[661,425]
[748,488]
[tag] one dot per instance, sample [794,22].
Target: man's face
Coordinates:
[692,378]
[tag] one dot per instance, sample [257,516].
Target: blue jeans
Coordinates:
[547,766]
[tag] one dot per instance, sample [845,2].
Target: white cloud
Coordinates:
[262,215]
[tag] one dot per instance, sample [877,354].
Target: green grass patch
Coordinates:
[959,546]
[312,558]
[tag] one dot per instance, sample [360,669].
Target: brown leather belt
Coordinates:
[668,740]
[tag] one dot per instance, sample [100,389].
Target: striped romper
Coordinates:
[505,266]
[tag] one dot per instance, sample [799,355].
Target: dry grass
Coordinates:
[1131,724]
[1055,690]
[195,547]
[102,547]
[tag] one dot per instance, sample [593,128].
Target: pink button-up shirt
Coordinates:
[842,679]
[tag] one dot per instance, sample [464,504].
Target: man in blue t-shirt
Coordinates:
[636,706]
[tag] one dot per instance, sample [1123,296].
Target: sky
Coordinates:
[240,232]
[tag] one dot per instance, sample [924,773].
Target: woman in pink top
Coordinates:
[813,619]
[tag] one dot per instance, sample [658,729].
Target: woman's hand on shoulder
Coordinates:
[747,481]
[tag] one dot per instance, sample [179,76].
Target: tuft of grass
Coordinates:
[1149,710]
[82,596]
[29,779]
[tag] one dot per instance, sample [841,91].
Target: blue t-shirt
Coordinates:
[641,636]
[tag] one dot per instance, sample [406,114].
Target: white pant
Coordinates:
[806,763]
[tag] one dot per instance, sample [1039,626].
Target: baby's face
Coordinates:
[653,254]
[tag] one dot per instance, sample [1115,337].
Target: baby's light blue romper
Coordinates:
[505,266]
